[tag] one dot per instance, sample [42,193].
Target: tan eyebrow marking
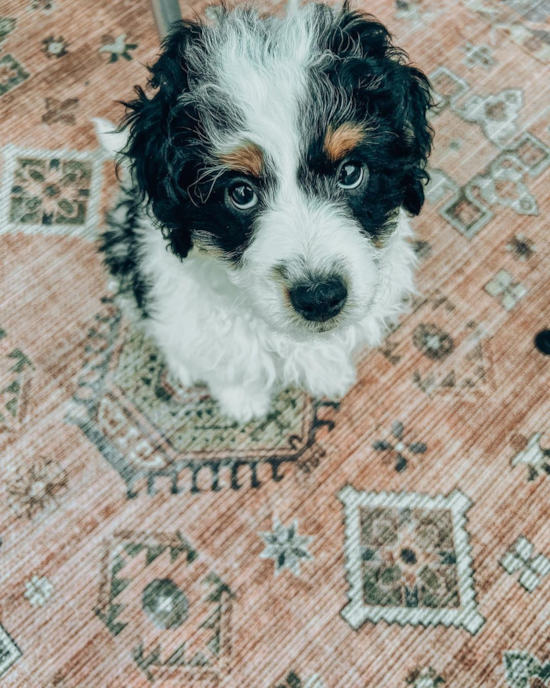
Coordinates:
[248,158]
[339,142]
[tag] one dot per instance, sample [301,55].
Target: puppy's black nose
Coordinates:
[319,301]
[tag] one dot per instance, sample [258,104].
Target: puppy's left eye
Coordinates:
[243,196]
[350,175]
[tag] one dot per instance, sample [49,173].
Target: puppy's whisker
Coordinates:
[240,298]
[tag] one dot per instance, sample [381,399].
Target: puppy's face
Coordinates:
[285,148]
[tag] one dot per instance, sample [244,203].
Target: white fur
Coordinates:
[205,326]
[112,141]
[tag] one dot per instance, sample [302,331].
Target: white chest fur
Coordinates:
[208,331]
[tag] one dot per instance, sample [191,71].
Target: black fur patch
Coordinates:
[167,145]
[227,228]
[390,98]
[119,244]
[167,150]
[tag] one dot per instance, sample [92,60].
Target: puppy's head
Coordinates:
[285,149]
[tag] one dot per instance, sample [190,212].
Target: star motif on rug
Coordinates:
[286,547]
[520,247]
[55,47]
[117,47]
[38,488]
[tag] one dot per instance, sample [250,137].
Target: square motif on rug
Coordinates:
[50,192]
[9,652]
[408,560]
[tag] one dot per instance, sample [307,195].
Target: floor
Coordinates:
[401,538]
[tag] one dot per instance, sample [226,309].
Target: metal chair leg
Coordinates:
[165,13]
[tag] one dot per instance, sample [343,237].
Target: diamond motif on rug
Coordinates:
[518,21]
[408,560]
[448,87]
[504,185]
[149,429]
[496,114]
[478,55]
[504,182]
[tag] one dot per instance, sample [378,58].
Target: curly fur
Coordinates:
[218,301]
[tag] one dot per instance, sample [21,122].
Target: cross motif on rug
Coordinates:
[503,287]
[521,557]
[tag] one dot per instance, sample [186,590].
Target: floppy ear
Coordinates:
[163,137]
[382,83]
[418,134]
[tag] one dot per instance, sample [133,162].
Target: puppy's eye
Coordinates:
[350,175]
[243,196]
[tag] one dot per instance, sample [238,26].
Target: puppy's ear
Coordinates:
[383,84]
[415,100]
[163,134]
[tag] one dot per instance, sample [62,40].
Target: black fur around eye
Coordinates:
[351,175]
[242,196]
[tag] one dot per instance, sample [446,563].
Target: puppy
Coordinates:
[261,231]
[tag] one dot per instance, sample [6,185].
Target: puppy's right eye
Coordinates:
[242,196]
[350,175]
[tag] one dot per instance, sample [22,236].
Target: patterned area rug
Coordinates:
[398,539]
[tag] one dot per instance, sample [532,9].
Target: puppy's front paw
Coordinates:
[179,373]
[336,386]
[242,404]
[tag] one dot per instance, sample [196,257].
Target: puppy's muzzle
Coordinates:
[319,301]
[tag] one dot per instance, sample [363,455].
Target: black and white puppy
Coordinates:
[262,229]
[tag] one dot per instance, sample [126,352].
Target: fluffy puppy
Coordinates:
[262,229]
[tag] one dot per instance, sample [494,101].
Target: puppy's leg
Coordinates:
[239,373]
[242,372]
[180,367]
[243,380]
[333,383]
[324,370]
[180,370]
[242,402]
